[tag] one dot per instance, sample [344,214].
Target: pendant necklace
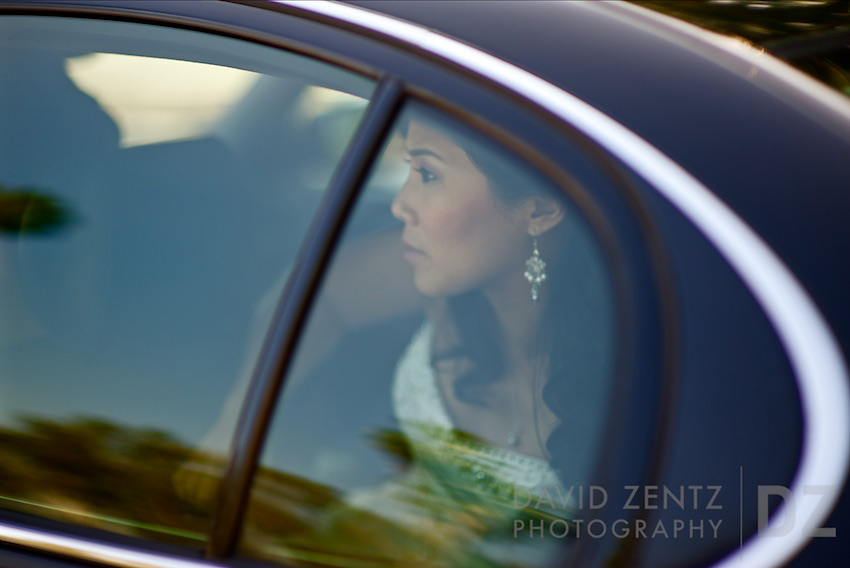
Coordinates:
[513,438]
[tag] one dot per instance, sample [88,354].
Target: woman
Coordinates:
[476,243]
[476,391]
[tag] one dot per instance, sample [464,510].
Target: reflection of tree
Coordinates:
[94,472]
[90,471]
[759,21]
[811,35]
[449,507]
[29,210]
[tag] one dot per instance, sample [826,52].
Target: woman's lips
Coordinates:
[412,253]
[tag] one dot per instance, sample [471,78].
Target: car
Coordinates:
[213,345]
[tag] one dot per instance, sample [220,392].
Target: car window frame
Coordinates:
[328,222]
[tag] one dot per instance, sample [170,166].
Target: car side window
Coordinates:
[455,376]
[155,185]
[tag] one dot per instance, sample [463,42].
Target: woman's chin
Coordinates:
[432,289]
[428,287]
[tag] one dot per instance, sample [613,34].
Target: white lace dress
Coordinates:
[461,498]
[426,424]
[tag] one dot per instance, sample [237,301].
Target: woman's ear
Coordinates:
[542,213]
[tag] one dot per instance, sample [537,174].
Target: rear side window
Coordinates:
[455,377]
[155,185]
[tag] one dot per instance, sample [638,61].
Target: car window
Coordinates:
[453,380]
[155,185]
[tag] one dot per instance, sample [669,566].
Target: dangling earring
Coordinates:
[535,272]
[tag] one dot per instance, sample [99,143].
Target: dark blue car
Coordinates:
[226,338]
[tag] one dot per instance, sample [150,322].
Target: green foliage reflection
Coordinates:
[93,472]
[812,35]
[29,210]
[446,507]
[759,21]
[132,481]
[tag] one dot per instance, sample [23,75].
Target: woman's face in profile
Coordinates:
[457,236]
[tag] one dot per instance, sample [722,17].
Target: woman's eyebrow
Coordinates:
[416,152]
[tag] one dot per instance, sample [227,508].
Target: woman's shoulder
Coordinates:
[415,395]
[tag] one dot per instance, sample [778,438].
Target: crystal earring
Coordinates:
[535,272]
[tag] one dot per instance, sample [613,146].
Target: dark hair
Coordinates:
[476,326]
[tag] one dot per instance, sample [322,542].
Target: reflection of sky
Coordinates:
[145,368]
[149,308]
[141,312]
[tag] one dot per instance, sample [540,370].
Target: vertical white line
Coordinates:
[741,509]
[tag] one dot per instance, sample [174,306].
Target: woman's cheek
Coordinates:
[456,216]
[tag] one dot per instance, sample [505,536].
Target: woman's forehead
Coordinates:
[424,139]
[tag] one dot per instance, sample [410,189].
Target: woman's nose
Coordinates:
[401,207]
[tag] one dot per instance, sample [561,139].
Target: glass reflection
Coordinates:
[139,268]
[99,473]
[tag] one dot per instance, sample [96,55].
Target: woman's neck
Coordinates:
[519,319]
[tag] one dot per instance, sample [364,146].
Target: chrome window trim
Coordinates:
[812,349]
[95,551]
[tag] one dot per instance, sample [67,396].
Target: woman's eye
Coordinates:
[426,174]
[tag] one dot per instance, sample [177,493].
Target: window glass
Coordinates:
[454,377]
[155,185]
